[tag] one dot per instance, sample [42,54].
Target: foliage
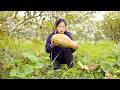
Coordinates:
[111,25]
[22,45]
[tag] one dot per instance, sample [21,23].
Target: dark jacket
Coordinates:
[57,49]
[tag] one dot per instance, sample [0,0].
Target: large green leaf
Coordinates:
[117,63]
[111,60]
[37,65]
[14,71]
[117,53]
[106,66]
[27,69]
[31,57]
[22,75]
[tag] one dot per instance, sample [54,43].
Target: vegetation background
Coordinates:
[22,44]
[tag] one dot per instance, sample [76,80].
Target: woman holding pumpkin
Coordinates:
[60,55]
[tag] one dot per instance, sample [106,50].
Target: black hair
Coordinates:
[59,21]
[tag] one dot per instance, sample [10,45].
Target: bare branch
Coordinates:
[15,14]
[24,22]
[34,13]
[82,17]
[118,32]
[40,13]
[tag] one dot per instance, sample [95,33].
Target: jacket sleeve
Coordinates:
[48,42]
[73,50]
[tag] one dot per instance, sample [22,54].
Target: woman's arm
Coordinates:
[48,44]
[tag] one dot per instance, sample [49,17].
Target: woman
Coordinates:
[59,55]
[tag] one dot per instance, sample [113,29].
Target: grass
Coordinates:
[105,53]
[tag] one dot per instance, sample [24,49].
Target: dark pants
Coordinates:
[66,59]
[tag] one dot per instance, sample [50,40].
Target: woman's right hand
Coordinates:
[53,44]
[75,45]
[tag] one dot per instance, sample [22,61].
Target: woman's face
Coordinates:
[61,28]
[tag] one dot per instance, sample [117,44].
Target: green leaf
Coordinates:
[37,65]
[106,66]
[46,58]
[86,60]
[27,69]
[23,76]
[117,63]
[33,77]
[14,71]
[103,65]
[31,57]
[111,60]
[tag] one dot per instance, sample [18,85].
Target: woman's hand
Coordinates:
[75,45]
[53,44]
